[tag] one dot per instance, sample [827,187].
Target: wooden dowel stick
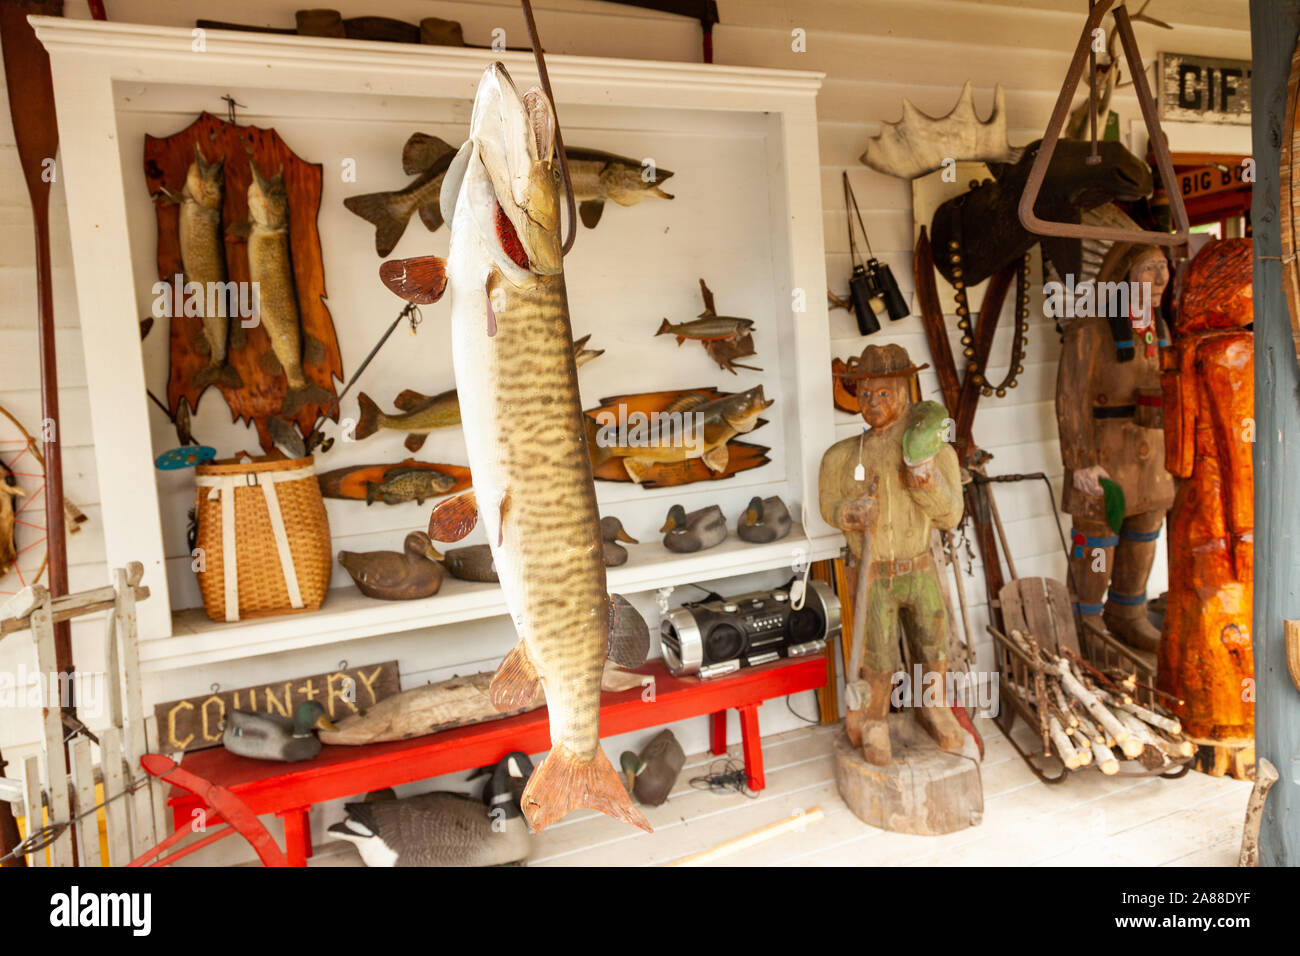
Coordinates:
[750,839]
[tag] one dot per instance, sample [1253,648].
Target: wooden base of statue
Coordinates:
[1220,758]
[923,790]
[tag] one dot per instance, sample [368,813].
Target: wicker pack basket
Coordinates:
[264,536]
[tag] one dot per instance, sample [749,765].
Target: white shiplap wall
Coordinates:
[874,52]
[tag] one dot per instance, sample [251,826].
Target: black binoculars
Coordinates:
[875,281]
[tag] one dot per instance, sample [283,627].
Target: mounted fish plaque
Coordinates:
[408,480]
[661,439]
[246,298]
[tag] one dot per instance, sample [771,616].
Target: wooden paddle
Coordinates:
[31,107]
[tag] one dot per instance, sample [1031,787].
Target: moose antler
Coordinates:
[918,143]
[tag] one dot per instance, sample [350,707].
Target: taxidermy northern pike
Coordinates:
[204,261]
[512,347]
[701,429]
[597,177]
[421,414]
[271,269]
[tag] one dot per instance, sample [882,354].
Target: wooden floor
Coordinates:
[1089,820]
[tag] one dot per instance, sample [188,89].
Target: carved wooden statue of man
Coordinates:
[892,485]
[1206,657]
[1109,413]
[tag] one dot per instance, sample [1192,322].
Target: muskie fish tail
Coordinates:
[566,782]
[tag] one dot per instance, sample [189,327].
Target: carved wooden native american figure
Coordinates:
[917,487]
[1109,413]
[1205,656]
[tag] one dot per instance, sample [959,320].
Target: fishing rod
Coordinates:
[559,140]
[314,437]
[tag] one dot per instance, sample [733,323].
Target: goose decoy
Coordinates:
[611,533]
[393,576]
[472,563]
[685,533]
[765,520]
[445,828]
[651,775]
[273,737]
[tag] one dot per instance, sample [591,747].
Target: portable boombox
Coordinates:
[719,636]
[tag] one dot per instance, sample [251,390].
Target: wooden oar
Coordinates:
[31,107]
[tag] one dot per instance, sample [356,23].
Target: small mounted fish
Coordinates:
[418,415]
[408,483]
[425,157]
[726,338]
[600,177]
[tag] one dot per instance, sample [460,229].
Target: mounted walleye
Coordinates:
[271,270]
[204,260]
[512,348]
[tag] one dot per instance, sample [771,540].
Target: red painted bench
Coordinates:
[290,790]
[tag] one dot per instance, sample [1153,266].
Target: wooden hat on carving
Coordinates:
[884,361]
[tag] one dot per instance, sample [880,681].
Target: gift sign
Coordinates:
[193,723]
[1204,89]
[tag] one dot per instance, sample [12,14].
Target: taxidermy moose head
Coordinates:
[985,221]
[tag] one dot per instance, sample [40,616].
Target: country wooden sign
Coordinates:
[1204,89]
[194,723]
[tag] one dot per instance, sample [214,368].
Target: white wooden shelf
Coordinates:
[347,614]
[744,146]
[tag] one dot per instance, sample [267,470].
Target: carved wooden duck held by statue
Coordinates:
[415,572]
[697,531]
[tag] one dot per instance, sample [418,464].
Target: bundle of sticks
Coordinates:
[1089,717]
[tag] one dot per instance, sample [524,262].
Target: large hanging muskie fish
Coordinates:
[512,348]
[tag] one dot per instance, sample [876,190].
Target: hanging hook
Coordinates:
[230,108]
[559,140]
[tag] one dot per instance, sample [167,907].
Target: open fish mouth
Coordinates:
[514,144]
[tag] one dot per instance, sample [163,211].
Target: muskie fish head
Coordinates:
[268,204]
[742,409]
[513,161]
[204,180]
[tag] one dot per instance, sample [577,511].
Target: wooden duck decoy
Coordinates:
[611,533]
[472,563]
[445,828]
[415,572]
[651,775]
[686,533]
[765,520]
[273,737]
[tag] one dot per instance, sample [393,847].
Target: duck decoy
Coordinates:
[273,737]
[650,776]
[415,572]
[765,520]
[445,828]
[611,533]
[472,563]
[685,533]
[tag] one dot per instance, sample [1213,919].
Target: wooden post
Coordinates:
[1274,26]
